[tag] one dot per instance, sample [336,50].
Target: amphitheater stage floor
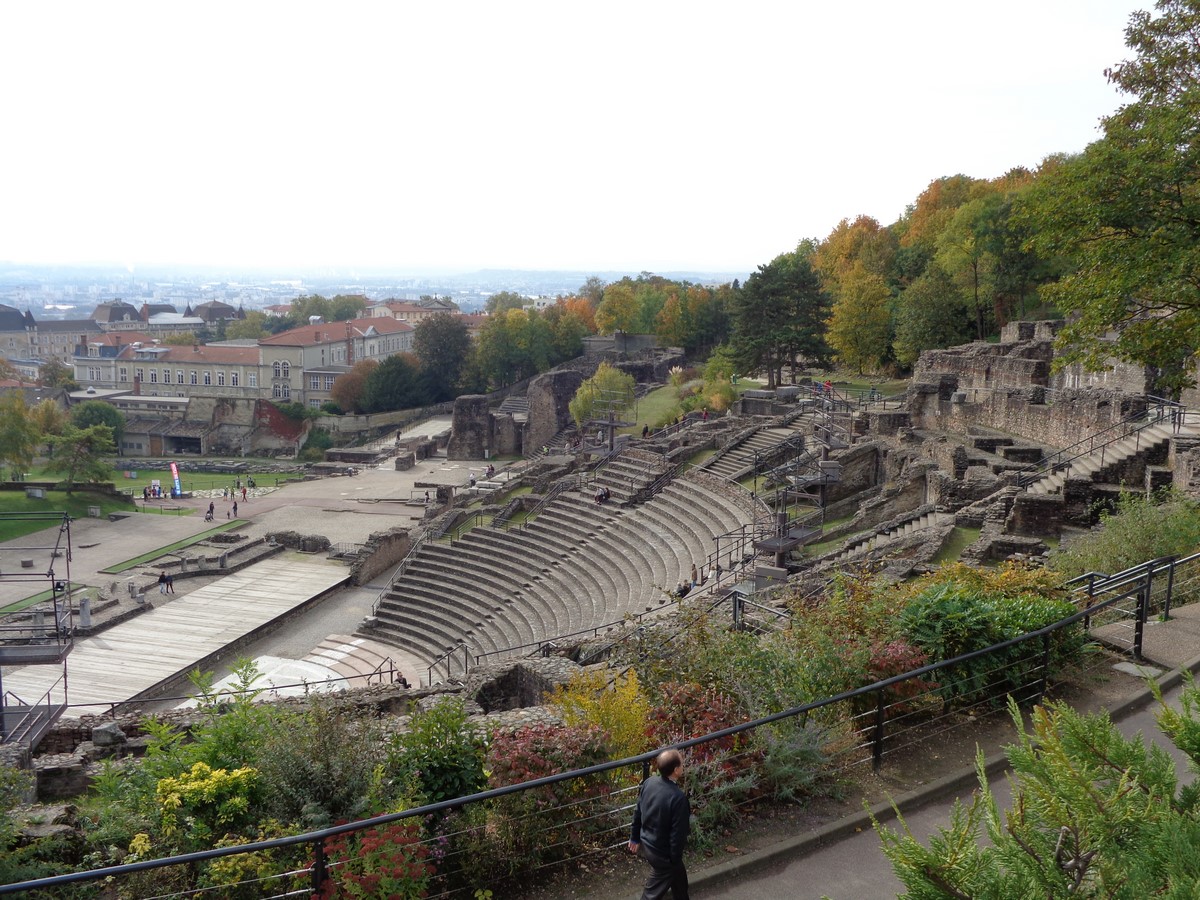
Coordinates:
[130,659]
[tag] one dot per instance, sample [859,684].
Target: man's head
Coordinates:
[669,763]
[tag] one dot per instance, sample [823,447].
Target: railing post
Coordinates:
[1091,597]
[737,611]
[1045,667]
[1170,590]
[877,738]
[318,868]
[1139,625]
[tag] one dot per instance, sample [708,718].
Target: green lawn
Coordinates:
[14,503]
[960,539]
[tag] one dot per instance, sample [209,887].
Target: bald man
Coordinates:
[661,822]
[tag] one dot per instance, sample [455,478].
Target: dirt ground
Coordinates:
[613,874]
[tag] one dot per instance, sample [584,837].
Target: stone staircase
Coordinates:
[890,535]
[738,461]
[575,567]
[359,660]
[1103,463]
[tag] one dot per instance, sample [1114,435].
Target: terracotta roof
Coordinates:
[333,332]
[244,356]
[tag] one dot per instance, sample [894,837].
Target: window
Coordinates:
[277,391]
[220,379]
[253,379]
[234,379]
[207,378]
[276,369]
[314,404]
[154,376]
[192,377]
[314,382]
[283,391]
[166,376]
[329,382]
[287,371]
[139,375]
[179,376]
[124,373]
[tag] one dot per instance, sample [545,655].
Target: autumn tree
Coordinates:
[503,301]
[861,323]
[349,389]
[619,310]
[965,253]
[48,419]
[779,316]
[1125,210]
[19,433]
[608,391]
[55,374]
[568,324]
[442,345]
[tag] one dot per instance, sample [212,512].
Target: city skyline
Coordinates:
[669,137]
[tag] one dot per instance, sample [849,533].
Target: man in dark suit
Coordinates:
[661,822]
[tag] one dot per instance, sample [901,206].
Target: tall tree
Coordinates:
[82,454]
[965,252]
[502,302]
[395,383]
[861,324]
[442,346]
[779,316]
[1127,213]
[97,412]
[930,313]
[252,327]
[349,389]
[619,310]
[55,374]
[48,418]
[19,433]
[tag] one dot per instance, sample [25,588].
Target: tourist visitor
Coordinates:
[660,829]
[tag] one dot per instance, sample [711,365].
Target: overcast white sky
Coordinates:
[620,135]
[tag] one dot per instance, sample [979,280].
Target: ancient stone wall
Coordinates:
[987,367]
[549,396]
[384,551]
[471,431]
[1057,420]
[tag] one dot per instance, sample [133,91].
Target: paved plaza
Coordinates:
[211,612]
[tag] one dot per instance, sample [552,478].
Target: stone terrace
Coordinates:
[576,566]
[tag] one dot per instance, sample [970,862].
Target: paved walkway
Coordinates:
[133,657]
[844,861]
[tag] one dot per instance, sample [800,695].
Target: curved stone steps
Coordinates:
[611,539]
[592,582]
[426,597]
[501,587]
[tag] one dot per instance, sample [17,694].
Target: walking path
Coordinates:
[844,860]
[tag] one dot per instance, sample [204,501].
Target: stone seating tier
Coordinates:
[468,576]
[572,568]
[434,589]
[515,546]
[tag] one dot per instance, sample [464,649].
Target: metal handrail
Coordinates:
[1154,413]
[317,838]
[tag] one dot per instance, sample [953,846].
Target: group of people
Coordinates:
[603,495]
[166,583]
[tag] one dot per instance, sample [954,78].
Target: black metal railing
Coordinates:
[856,728]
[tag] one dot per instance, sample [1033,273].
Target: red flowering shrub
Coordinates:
[895,658]
[387,861]
[687,710]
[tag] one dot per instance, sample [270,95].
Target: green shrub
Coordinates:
[441,753]
[1138,530]
[321,768]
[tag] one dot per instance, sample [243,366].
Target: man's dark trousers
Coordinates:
[664,879]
